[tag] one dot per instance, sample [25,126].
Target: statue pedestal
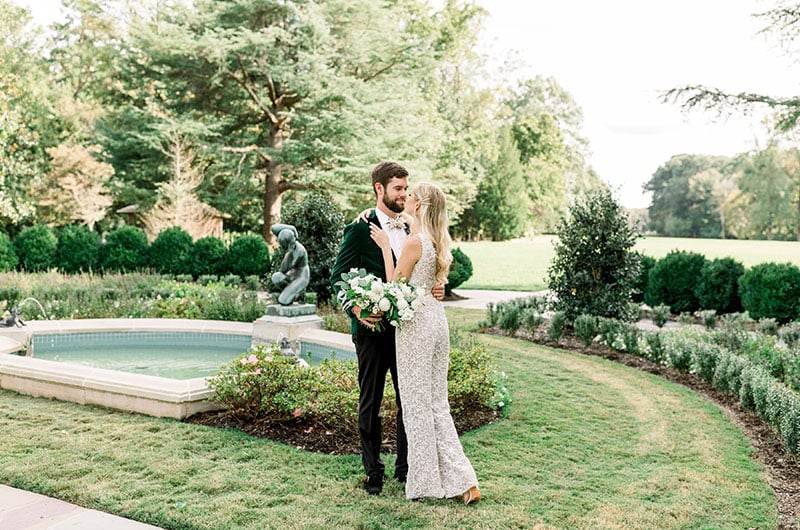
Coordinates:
[285,321]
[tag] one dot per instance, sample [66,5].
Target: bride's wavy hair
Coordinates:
[435,223]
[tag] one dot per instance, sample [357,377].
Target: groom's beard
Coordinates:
[393,205]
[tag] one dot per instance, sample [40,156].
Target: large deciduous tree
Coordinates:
[303,95]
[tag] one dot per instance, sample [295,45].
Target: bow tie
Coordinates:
[397,222]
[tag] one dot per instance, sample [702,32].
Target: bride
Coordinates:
[437,465]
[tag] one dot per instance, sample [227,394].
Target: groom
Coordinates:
[375,350]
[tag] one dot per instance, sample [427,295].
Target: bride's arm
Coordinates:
[381,238]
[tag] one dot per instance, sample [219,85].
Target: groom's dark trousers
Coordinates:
[375,352]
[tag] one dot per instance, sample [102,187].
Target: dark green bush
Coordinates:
[586,328]
[718,286]
[460,271]
[673,281]
[36,248]
[594,270]
[78,249]
[208,257]
[319,224]
[771,290]
[170,251]
[646,263]
[248,255]
[125,250]
[8,256]
[558,324]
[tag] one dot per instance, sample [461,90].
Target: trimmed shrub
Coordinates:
[36,248]
[170,251]
[319,223]
[790,334]
[586,328]
[557,324]
[594,270]
[660,315]
[673,281]
[771,290]
[708,317]
[8,256]
[460,271]
[208,257]
[78,249]
[718,286]
[248,255]
[646,264]
[125,250]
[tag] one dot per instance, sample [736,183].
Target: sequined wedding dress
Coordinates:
[437,466]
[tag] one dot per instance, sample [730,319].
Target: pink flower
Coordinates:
[258,371]
[252,359]
[297,413]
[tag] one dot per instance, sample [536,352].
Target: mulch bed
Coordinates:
[783,470]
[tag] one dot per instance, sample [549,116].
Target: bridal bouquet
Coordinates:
[397,300]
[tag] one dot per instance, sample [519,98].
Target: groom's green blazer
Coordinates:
[359,251]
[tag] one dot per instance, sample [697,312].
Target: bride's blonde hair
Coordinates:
[435,222]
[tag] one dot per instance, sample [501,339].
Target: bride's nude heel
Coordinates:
[472,495]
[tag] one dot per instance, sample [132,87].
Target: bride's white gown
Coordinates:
[437,466]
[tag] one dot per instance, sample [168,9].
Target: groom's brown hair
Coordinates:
[386,171]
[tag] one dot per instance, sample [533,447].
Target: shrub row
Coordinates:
[761,371]
[131,295]
[75,249]
[687,282]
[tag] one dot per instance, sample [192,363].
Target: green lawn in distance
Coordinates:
[521,264]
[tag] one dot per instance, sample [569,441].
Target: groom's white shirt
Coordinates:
[397,236]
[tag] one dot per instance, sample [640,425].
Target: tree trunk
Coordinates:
[272,191]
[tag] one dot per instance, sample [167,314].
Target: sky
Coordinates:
[615,57]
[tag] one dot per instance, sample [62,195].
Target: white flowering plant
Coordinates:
[396,300]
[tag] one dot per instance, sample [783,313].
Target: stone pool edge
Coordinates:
[145,394]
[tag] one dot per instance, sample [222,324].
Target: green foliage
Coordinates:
[594,270]
[470,378]
[674,280]
[501,206]
[170,251]
[646,263]
[679,208]
[558,324]
[78,249]
[718,287]
[125,250]
[319,223]
[8,256]
[709,318]
[208,257]
[586,327]
[790,334]
[460,270]
[248,255]
[263,385]
[771,290]
[36,248]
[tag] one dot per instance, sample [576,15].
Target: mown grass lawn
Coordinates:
[521,264]
[587,444]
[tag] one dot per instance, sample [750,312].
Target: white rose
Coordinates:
[377,288]
[406,290]
[385,304]
[354,283]
[406,315]
[401,304]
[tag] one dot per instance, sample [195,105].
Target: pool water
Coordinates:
[177,355]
